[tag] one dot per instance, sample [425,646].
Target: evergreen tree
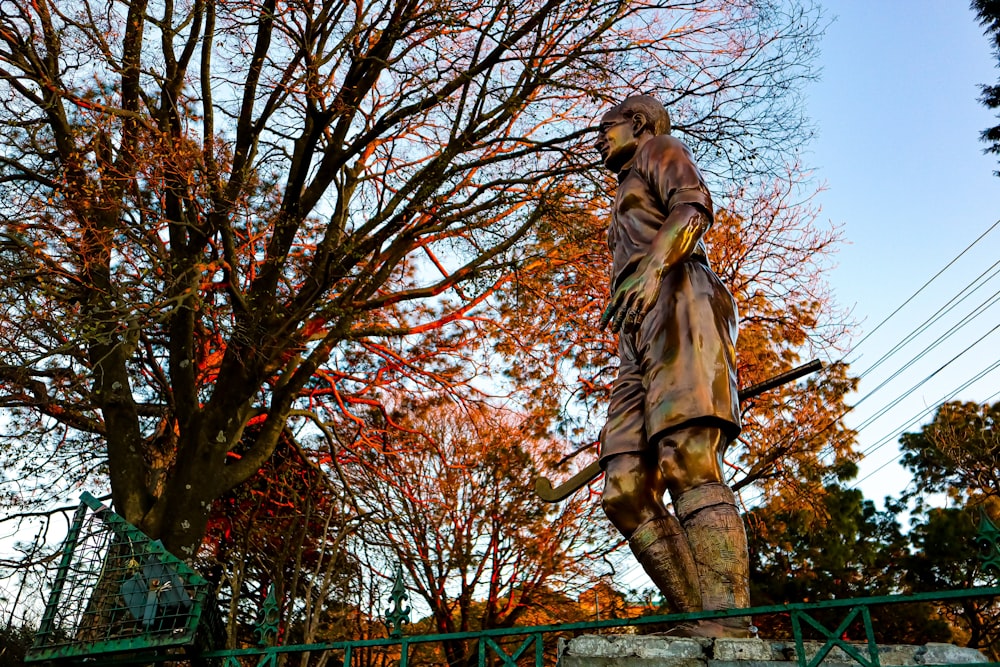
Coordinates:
[945,557]
[957,454]
[988,13]
[841,547]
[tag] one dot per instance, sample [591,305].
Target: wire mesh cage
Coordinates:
[116,590]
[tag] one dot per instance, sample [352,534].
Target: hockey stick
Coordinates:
[545,491]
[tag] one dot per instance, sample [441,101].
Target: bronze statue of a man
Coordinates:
[674,405]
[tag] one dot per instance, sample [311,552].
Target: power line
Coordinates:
[933,406]
[953,303]
[958,298]
[926,378]
[931,280]
[968,290]
[892,434]
[963,294]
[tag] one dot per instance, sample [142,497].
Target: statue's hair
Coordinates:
[649,107]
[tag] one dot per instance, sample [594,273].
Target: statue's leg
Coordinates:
[662,548]
[632,499]
[691,463]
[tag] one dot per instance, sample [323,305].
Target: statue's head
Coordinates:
[650,110]
[624,127]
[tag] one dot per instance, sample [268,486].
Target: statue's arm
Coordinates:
[674,243]
[677,238]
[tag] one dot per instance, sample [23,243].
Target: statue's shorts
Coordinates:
[678,367]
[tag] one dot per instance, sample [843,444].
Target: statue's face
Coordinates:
[616,140]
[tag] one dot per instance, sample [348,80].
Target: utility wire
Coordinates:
[927,378]
[892,434]
[932,279]
[958,298]
[933,406]
[953,303]
[909,423]
[985,305]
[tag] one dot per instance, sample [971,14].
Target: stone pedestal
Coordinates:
[660,651]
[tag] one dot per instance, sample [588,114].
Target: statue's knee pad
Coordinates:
[718,542]
[693,501]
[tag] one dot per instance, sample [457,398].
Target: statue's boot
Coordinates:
[718,542]
[662,549]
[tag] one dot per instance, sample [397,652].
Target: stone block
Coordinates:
[662,647]
[948,654]
[632,661]
[664,651]
[727,648]
[890,655]
[594,646]
[633,651]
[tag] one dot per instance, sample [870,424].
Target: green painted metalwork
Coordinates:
[267,624]
[510,660]
[835,638]
[489,640]
[117,591]
[399,615]
[268,660]
[404,652]
[988,541]
[119,598]
[51,609]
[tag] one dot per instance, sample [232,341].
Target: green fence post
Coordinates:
[800,649]
[49,617]
[870,635]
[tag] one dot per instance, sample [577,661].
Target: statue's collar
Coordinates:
[623,172]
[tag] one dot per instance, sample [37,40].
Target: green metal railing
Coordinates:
[530,649]
[119,598]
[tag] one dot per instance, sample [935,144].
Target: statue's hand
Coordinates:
[634,297]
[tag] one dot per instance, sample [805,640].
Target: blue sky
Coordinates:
[898,151]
